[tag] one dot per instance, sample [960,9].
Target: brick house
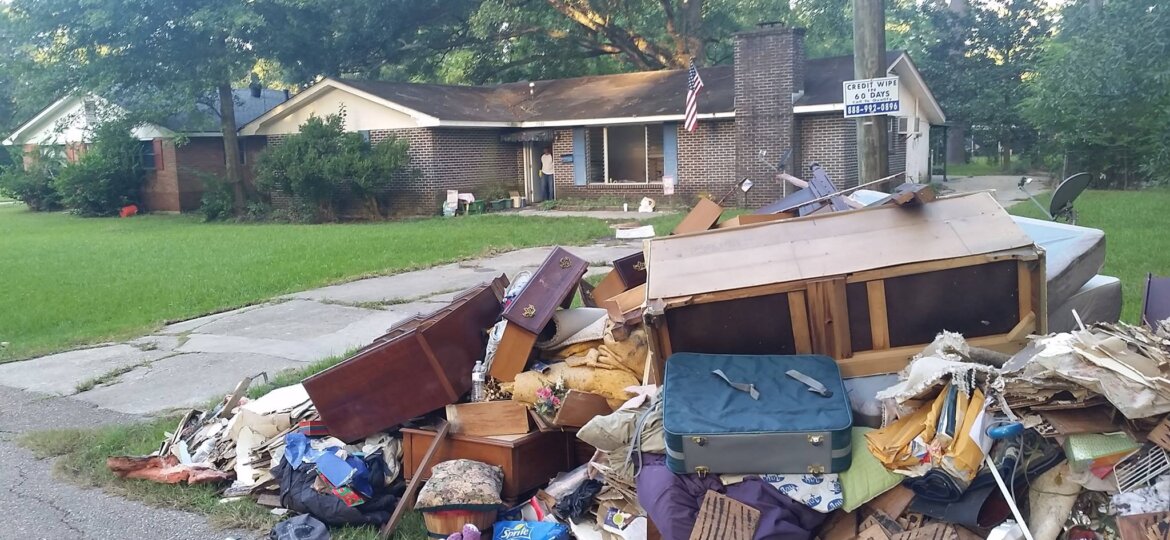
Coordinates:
[620,135]
[174,171]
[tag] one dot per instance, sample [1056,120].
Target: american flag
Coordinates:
[694,84]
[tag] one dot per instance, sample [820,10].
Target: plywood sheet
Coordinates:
[829,245]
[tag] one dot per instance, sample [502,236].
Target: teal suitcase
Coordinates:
[714,425]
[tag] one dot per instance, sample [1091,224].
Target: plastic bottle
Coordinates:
[478,376]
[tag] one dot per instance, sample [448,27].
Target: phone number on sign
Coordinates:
[872,108]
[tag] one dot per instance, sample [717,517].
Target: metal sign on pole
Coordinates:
[871,97]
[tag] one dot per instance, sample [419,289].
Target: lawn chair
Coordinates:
[1156,304]
[1061,206]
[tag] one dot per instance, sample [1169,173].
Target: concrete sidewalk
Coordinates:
[185,364]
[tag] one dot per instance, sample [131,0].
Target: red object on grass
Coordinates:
[129,210]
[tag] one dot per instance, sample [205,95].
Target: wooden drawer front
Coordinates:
[416,368]
[551,284]
[632,269]
[528,461]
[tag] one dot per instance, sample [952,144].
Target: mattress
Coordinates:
[1099,300]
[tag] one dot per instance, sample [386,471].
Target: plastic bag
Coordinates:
[530,530]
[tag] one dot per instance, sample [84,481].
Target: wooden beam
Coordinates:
[828,310]
[798,312]
[407,500]
[1025,254]
[1024,288]
[879,326]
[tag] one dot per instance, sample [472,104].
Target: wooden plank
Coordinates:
[512,353]
[828,310]
[1154,526]
[763,290]
[879,327]
[752,219]
[437,367]
[578,408]
[407,500]
[1024,277]
[622,306]
[488,418]
[609,286]
[945,264]
[701,218]
[798,312]
[867,363]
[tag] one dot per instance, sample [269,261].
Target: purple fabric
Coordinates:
[672,502]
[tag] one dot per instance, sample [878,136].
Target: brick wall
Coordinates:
[768,63]
[160,192]
[199,158]
[831,140]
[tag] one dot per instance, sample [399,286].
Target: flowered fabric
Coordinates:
[821,492]
[462,484]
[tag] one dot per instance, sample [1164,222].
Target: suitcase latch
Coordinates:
[702,471]
[816,469]
[701,441]
[816,440]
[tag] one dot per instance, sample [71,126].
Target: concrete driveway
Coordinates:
[185,364]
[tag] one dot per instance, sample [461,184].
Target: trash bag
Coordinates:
[297,494]
[302,527]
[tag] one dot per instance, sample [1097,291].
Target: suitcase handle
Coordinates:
[748,388]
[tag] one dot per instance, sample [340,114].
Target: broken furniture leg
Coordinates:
[407,500]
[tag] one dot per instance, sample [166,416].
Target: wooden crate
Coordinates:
[528,461]
[868,287]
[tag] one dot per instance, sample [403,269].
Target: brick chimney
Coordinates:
[769,76]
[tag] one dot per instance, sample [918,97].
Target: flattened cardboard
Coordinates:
[723,518]
[752,219]
[701,218]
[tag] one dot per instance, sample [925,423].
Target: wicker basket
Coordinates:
[443,523]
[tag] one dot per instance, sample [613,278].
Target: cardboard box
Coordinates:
[701,218]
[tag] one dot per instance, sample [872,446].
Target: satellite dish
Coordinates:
[1061,207]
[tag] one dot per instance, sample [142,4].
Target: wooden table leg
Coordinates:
[407,501]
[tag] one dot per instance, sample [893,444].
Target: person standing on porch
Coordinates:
[546,173]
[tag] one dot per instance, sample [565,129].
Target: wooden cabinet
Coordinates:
[529,461]
[420,365]
[869,288]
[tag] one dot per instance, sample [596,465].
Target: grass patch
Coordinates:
[1135,225]
[81,459]
[70,282]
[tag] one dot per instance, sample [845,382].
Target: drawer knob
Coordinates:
[529,311]
[565,262]
[640,266]
[816,440]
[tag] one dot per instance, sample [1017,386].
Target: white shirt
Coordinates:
[546,164]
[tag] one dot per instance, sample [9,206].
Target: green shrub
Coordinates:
[34,186]
[322,164]
[217,200]
[107,177]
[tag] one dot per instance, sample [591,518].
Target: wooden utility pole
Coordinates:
[869,61]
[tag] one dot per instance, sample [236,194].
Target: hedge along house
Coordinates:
[620,135]
[177,153]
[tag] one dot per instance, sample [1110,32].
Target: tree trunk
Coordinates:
[231,145]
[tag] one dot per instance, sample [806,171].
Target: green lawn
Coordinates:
[67,281]
[1137,236]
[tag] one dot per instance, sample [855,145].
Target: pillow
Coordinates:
[462,484]
[866,478]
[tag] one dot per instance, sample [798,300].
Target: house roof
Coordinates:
[823,78]
[599,99]
[642,94]
[203,120]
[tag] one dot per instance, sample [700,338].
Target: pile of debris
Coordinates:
[861,366]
